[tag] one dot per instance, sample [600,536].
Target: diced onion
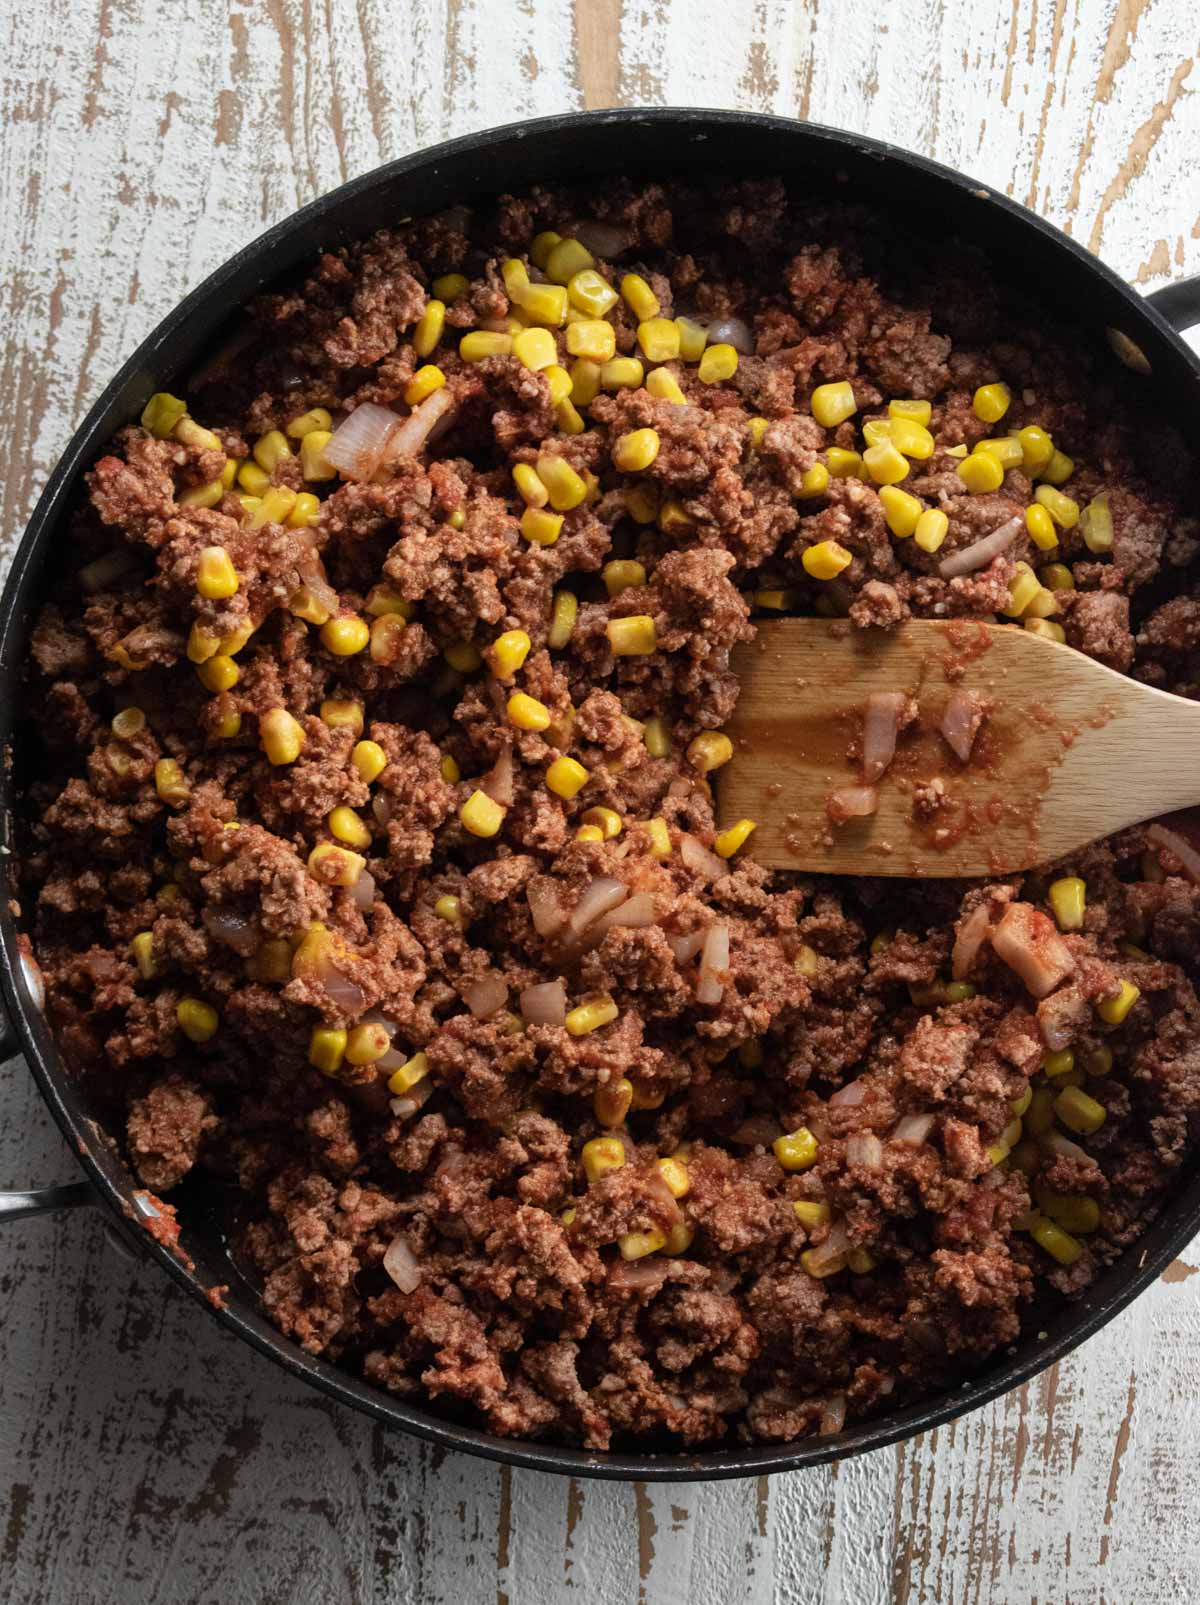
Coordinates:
[383,808]
[1028,943]
[714,963]
[401,1264]
[851,802]
[699,860]
[233,930]
[635,913]
[961,721]
[545,906]
[362,893]
[601,239]
[864,1148]
[972,933]
[913,1129]
[408,1105]
[828,1253]
[485,996]
[833,1415]
[982,551]
[1178,846]
[637,1275]
[544,1004]
[343,992]
[733,332]
[603,893]
[418,427]
[498,782]
[686,947]
[1062,1017]
[849,1096]
[1056,1143]
[357,445]
[881,725]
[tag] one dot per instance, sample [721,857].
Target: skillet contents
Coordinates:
[370,854]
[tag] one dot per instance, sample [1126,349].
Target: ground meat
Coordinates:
[441,1023]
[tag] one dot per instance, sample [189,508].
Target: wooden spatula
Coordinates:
[1066,750]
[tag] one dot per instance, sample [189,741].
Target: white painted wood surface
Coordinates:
[144,1457]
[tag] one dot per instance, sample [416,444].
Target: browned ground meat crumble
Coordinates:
[526,1317]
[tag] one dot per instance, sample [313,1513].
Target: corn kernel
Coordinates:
[1040,1115]
[161,414]
[304,604]
[190,433]
[142,948]
[270,449]
[515,274]
[1079,1112]
[450,909]
[1040,527]
[566,777]
[1021,1104]
[611,1102]
[535,349]
[900,510]
[385,638]
[432,322]
[483,343]
[819,1265]
[367,1042]
[832,404]
[1036,448]
[410,1074]
[340,713]
[775,601]
[674,518]
[709,750]
[1057,577]
[313,463]
[346,826]
[639,297]
[919,412]
[541,527]
[463,656]
[659,340]
[1074,1211]
[1058,1244]
[508,652]
[622,575]
[567,258]
[931,530]
[1068,898]
[203,495]
[229,472]
[693,337]
[533,492]
[335,866]
[423,383]
[1047,629]
[660,838]
[282,736]
[842,464]
[1059,1063]
[563,485]
[796,1151]
[825,560]
[527,713]
[885,464]
[218,673]
[632,637]
[606,820]
[810,1213]
[369,760]
[589,833]
[593,339]
[197,1020]
[622,373]
[543,303]
[662,384]
[675,1173]
[991,402]
[717,364]
[481,815]
[1058,470]
[636,1245]
[591,1015]
[758,431]
[200,644]
[981,473]
[305,511]
[563,613]
[386,599]
[450,286]
[1096,524]
[1022,589]
[1062,509]
[1113,1010]
[345,636]
[728,842]
[274,507]
[591,293]
[326,1048]
[1099,1062]
[814,481]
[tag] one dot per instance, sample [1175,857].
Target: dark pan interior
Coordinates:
[1063,278]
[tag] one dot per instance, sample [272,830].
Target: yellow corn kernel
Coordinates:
[1058,1244]
[200,644]
[814,481]
[825,560]
[423,383]
[900,511]
[679,1238]
[189,433]
[674,518]
[270,449]
[981,473]
[820,1266]
[282,736]
[1057,577]
[1041,527]
[1068,898]
[480,815]
[316,418]
[161,414]
[203,495]
[728,842]
[533,492]
[450,286]
[717,364]
[842,464]
[1006,450]
[659,837]
[543,244]
[367,1042]
[385,633]
[636,1245]
[218,673]
[527,713]
[601,1155]
[508,652]
[229,472]
[832,404]
[450,909]
[326,1048]
[632,637]
[541,527]
[305,511]
[432,322]
[775,601]
[563,613]
[303,604]
[566,777]
[797,1150]
[758,430]
[584,384]
[1059,1063]
[1099,1062]
[335,866]
[663,386]
[593,339]
[591,1015]
[313,463]
[340,713]
[1096,523]
[591,293]
[1047,629]
[1036,448]
[168,894]
[1058,470]
[807,961]
[919,412]
[709,750]
[463,656]
[128,723]
[1040,1115]
[1022,589]
[639,297]
[589,833]
[567,258]
[535,349]
[515,274]
[483,343]
[410,1073]
[564,486]
[607,821]
[860,1262]
[369,760]
[346,826]
[1061,509]
[567,418]
[345,636]
[675,1173]
[622,373]
[622,574]
[931,530]
[450,771]
[233,643]
[991,402]
[543,303]
[611,1102]
[1073,1211]
[1021,1104]
[197,1020]
[810,1213]
[1079,1112]
[142,948]
[1113,1010]
[658,339]
[885,464]
[274,507]
[693,337]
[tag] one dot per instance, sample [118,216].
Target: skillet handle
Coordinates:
[40,1200]
[1178,303]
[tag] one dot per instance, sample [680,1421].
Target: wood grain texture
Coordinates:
[146,1458]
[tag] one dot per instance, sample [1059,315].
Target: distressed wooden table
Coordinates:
[145,1457]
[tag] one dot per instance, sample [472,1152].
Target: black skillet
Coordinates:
[1022,249]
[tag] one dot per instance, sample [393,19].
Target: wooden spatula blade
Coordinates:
[1069,750]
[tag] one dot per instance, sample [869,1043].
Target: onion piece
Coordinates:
[362,893]
[603,893]
[970,936]
[881,725]
[486,996]
[545,906]
[342,991]
[961,721]
[357,445]
[233,930]
[1028,943]
[913,1129]
[637,1275]
[851,802]
[827,1254]
[1062,1017]
[1056,1143]
[735,332]
[864,1148]
[498,782]
[408,1105]
[833,1415]
[714,963]
[601,239]
[982,551]
[1178,846]
[686,947]
[418,427]
[849,1096]
[383,808]
[544,1004]
[634,914]
[400,1263]
[699,860]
